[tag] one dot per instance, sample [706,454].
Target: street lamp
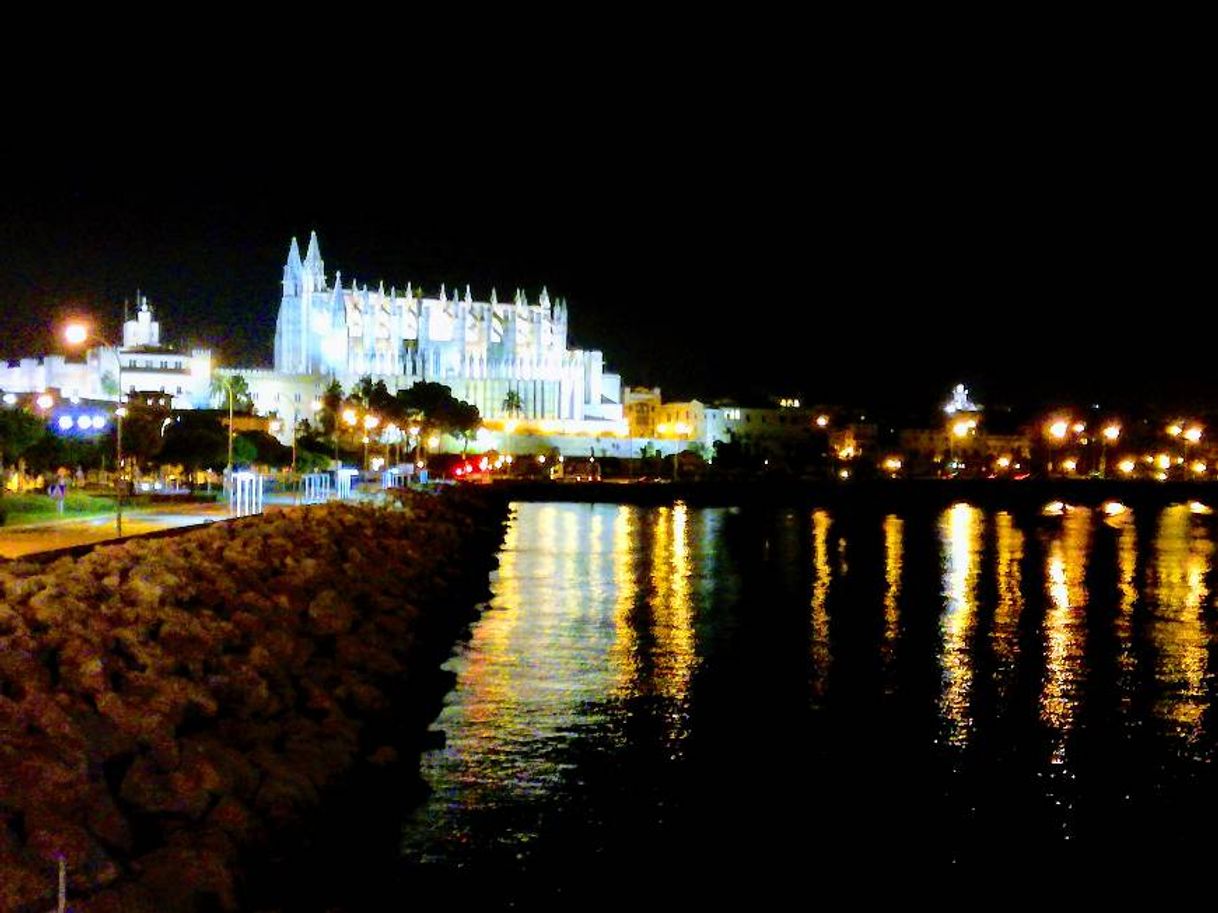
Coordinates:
[1111,435]
[76,334]
[1056,430]
[370,422]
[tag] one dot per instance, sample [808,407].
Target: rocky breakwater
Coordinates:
[169,706]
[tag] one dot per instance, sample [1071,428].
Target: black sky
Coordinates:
[864,223]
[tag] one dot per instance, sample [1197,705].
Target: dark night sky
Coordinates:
[753,209]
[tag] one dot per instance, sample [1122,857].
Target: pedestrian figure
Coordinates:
[58,491]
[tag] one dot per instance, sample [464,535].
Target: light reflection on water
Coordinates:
[961,531]
[632,638]
[1178,630]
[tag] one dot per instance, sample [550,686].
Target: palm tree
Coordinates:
[513,405]
[235,388]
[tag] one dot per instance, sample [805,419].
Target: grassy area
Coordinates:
[16,510]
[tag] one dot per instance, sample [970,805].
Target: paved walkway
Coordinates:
[16,541]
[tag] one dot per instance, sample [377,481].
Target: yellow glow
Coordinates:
[662,428]
[962,428]
[1196,507]
[822,420]
[1053,509]
[1078,427]
[893,529]
[822,655]
[844,474]
[1193,434]
[1199,467]
[1058,429]
[1004,462]
[960,531]
[846,453]
[509,426]
[1114,508]
[1175,430]
[1065,569]
[371,421]
[1178,629]
[1112,432]
[45,401]
[1127,466]
[1161,476]
[434,441]
[1163,461]
[541,458]
[349,416]
[75,333]
[892,464]
[1070,464]
[1005,631]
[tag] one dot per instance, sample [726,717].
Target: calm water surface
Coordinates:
[721,702]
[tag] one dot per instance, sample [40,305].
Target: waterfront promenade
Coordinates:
[53,535]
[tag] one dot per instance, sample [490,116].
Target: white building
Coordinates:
[148,365]
[482,350]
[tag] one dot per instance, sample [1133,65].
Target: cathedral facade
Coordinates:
[482,350]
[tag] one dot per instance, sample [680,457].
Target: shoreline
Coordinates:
[178,712]
[871,493]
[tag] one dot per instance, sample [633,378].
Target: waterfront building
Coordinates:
[490,353]
[639,405]
[149,365]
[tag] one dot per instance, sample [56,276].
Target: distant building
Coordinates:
[639,406]
[148,366]
[482,350]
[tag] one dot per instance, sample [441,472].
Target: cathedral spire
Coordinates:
[314,253]
[313,265]
[294,256]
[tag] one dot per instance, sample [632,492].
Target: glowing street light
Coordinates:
[1127,466]
[1175,430]
[1193,434]
[1058,428]
[822,421]
[76,334]
[1111,434]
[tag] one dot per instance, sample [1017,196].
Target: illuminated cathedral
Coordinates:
[483,350]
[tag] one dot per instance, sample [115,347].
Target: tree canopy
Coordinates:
[222,384]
